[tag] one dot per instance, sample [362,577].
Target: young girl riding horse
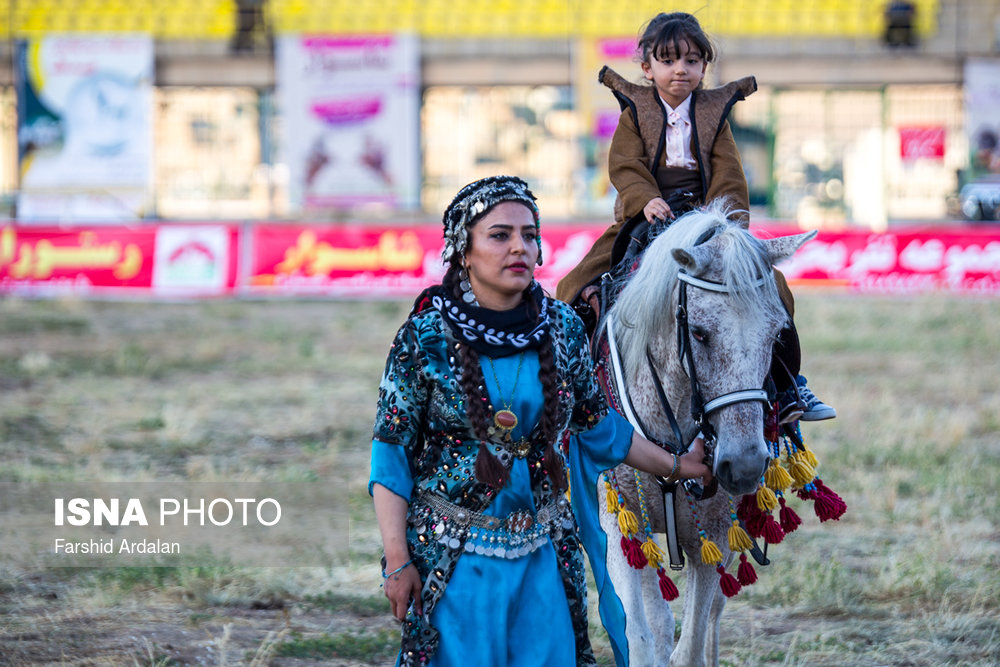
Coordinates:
[674,144]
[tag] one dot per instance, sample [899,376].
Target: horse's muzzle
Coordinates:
[739,475]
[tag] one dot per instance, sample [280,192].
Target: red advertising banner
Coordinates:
[378,261]
[905,260]
[360,261]
[399,262]
[163,260]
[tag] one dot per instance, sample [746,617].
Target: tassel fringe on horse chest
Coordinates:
[792,471]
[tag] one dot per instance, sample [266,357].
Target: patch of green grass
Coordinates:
[42,317]
[152,656]
[133,360]
[351,604]
[157,577]
[779,656]
[29,429]
[151,423]
[199,618]
[370,647]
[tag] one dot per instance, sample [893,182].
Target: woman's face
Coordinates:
[502,254]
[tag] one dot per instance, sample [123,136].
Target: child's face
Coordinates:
[678,74]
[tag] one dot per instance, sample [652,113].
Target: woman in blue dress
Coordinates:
[484,385]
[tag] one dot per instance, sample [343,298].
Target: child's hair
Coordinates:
[664,33]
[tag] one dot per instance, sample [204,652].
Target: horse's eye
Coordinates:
[699,335]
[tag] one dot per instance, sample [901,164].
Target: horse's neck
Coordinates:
[677,388]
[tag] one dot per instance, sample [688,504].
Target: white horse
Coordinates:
[710,276]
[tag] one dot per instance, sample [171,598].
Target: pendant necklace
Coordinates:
[505,420]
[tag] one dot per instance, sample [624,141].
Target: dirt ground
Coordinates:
[285,391]
[50,623]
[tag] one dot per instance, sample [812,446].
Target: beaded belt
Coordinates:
[515,535]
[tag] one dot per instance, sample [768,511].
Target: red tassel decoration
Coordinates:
[773,534]
[755,524]
[838,506]
[753,519]
[827,504]
[789,519]
[638,555]
[824,508]
[633,552]
[803,494]
[746,575]
[730,586]
[747,507]
[667,588]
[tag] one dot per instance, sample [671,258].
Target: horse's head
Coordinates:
[720,322]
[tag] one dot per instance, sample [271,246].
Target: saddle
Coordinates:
[628,247]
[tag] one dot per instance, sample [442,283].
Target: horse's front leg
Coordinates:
[713,626]
[659,616]
[703,603]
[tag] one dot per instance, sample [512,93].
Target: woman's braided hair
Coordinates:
[489,469]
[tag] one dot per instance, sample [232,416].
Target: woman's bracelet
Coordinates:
[398,569]
[677,464]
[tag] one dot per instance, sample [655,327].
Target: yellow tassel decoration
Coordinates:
[738,538]
[710,554]
[776,477]
[766,500]
[612,500]
[809,457]
[627,522]
[801,472]
[654,555]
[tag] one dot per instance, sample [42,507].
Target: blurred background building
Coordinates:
[867,113]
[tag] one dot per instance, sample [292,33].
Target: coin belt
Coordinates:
[513,536]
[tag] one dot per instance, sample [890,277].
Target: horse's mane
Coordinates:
[642,310]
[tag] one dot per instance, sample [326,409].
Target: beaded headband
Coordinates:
[473,201]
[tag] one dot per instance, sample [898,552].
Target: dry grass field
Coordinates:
[284,391]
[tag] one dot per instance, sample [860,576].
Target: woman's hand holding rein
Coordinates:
[692,464]
[647,456]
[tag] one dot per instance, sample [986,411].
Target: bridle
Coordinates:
[700,408]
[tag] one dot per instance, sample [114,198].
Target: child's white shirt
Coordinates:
[678,135]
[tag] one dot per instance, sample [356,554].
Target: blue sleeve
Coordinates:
[607,444]
[390,467]
[590,453]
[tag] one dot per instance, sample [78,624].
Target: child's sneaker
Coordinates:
[815,409]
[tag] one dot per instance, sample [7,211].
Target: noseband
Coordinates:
[700,408]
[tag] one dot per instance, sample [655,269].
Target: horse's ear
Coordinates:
[693,260]
[784,247]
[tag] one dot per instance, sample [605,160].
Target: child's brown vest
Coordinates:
[709,110]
